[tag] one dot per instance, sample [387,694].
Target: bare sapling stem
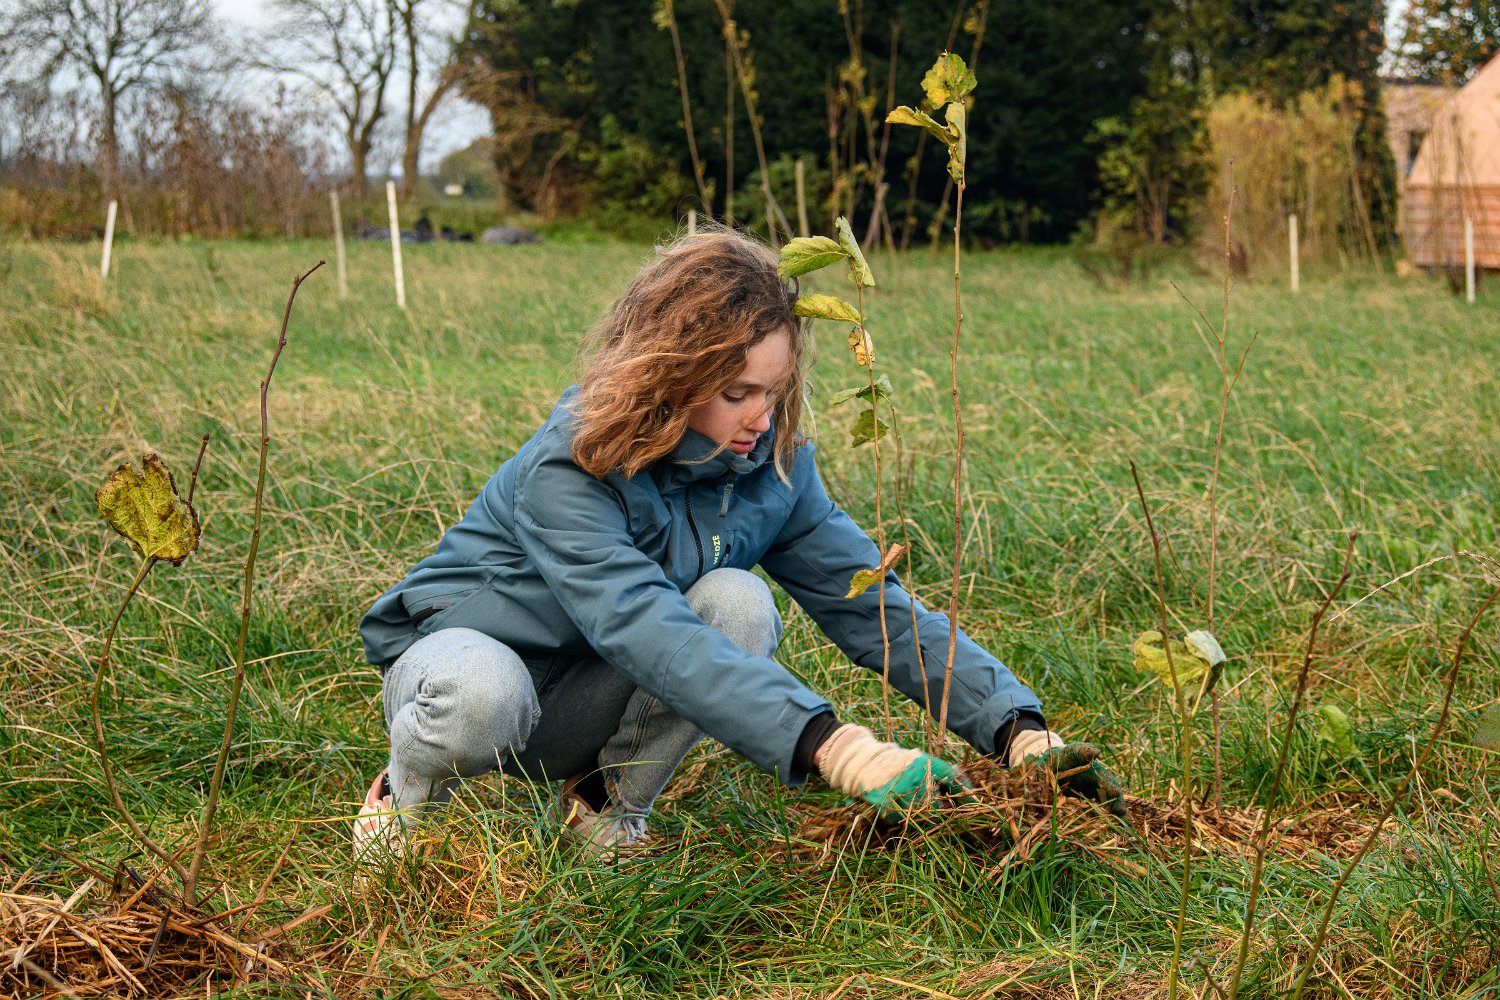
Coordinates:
[1185,738]
[1263,835]
[200,849]
[885,636]
[1226,384]
[1396,800]
[958,468]
[140,835]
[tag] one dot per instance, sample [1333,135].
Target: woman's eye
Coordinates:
[734,399]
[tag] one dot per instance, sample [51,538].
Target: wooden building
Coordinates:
[1456,176]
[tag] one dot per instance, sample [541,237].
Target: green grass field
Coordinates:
[1366,403]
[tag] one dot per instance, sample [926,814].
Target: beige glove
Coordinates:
[1031,743]
[893,779]
[1076,764]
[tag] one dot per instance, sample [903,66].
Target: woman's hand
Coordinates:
[895,780]
[1076,767]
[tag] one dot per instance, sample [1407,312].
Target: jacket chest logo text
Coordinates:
[718,550]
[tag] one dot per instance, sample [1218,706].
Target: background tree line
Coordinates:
[1097,118]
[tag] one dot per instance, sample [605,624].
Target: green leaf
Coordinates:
[882,391]
[1335,730]
[1487,730]
[948,81]
[807,253]
[867,427]
[858,268]
[910,116]
[826,307]
[145,508]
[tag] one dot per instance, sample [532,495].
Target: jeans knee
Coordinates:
[739,604]
[463,697]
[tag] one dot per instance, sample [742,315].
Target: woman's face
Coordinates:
[738,416]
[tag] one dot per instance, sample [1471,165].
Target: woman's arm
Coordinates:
[574,529]
[815,557]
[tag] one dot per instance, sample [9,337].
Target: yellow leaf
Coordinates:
[1150,655]
[862,346]
[808,253]
[949,80]
[145,508]
[867,578]
[826,307]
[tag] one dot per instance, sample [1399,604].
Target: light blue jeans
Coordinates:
[460,704]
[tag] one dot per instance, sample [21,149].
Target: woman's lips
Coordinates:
[742,447]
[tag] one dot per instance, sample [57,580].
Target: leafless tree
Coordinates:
[431,73]
[119,45]
[346,50]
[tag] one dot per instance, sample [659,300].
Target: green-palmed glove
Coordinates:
[894,779]
[1076,765]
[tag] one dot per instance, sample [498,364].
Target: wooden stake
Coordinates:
[802,227]
[1469,258]
[109,237]
[692,222]
[390,200]
[1291,234]
[338,243]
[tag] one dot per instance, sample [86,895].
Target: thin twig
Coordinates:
[1396,800]
[215,784]
[1186,739]
[1263,836]
[958,462]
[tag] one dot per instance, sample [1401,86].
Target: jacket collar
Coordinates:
[693,460]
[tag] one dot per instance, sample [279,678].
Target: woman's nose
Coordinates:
[762,421]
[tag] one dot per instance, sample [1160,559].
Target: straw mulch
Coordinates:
[1011,813]
[109,939]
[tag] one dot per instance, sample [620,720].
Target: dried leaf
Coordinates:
[882,391]
[948,80]
[826,307]
[867,578]
[862,346]
[859,270]
[1487,730]
[867,427]
[1335,730]
[806,254]
[145,508]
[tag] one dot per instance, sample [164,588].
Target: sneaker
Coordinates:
[377,828]
[600,833]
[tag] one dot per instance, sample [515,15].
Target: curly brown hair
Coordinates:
[675,339]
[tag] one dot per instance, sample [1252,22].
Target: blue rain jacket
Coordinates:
[550,560]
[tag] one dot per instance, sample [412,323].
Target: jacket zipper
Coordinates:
[728,489]
[697,538]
